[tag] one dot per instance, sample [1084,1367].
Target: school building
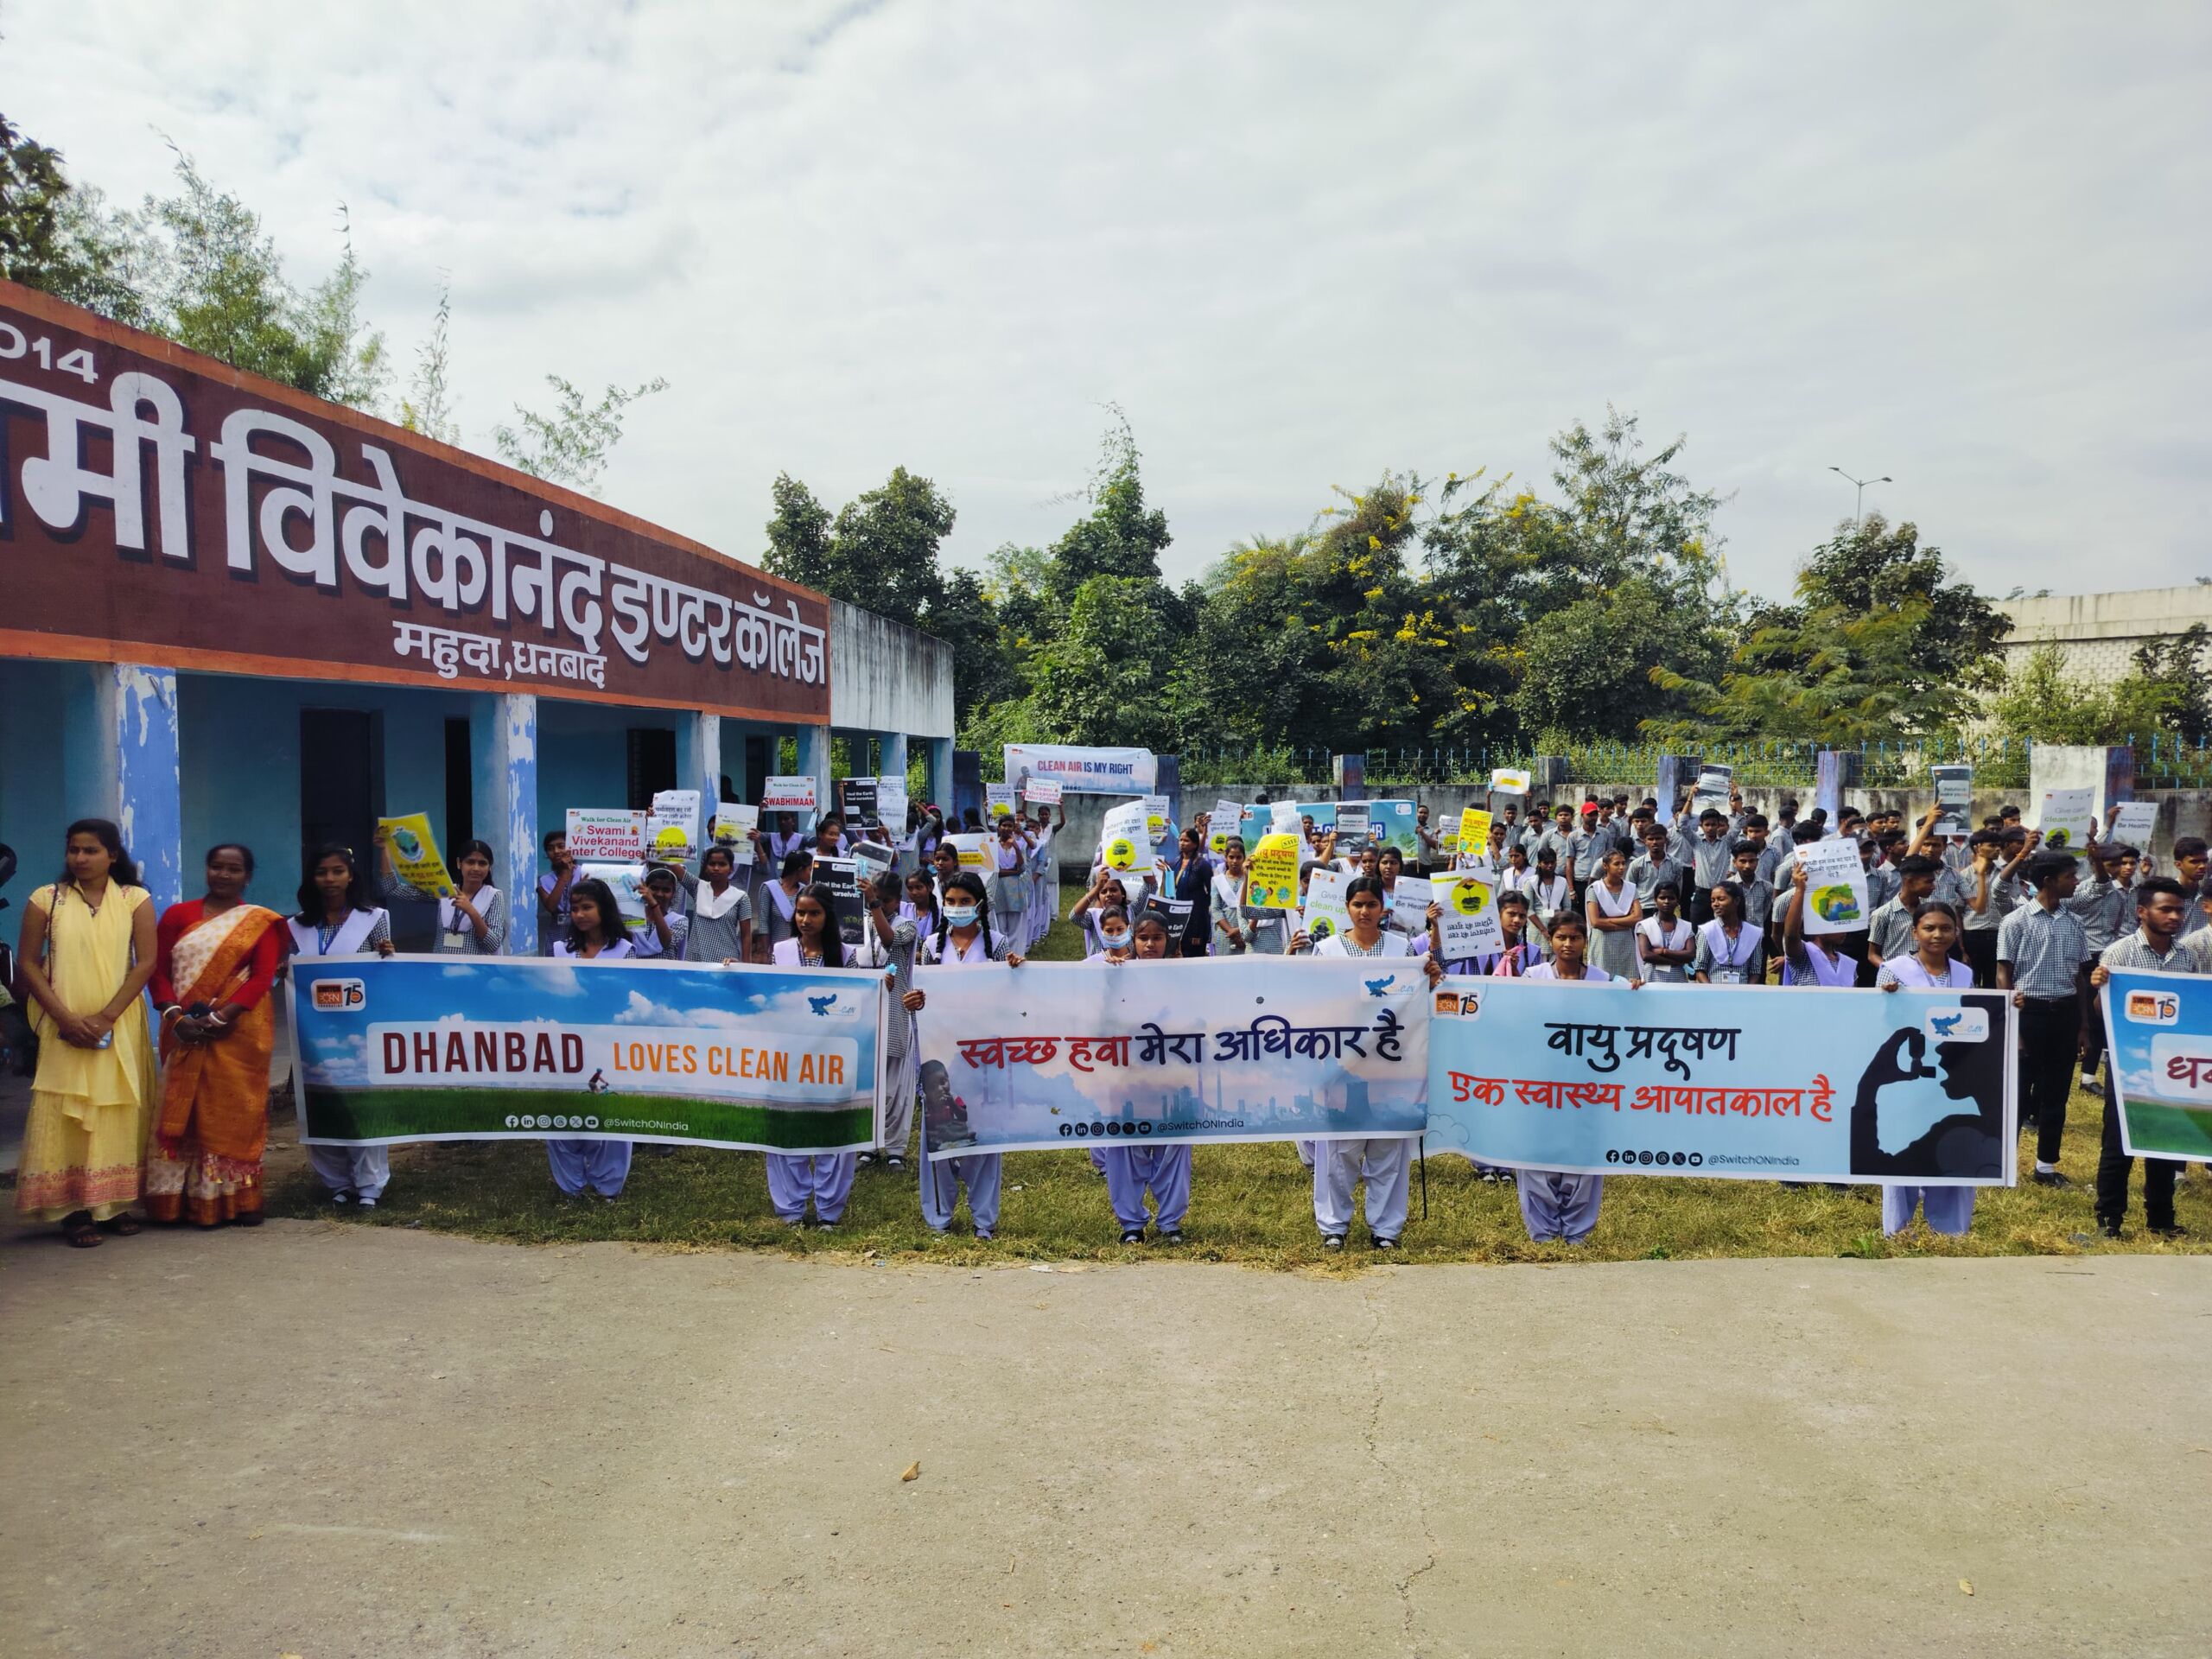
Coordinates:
[230,612]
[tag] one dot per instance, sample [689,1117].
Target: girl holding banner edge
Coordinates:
[336,919]
[963,939]
[1935,928]
[594,934]
[1133,1171]
[473,919]
[826,1179]
[1384,1163]
[1554,1204]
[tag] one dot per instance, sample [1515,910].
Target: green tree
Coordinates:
[985,670]
[2039,700]
[1120,537]
[1591,669]
[880,550]
[1881,644]
[571,442]
[1101,680]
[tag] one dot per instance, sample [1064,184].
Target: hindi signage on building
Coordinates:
[159,507]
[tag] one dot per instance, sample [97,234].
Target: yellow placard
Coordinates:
[414,850]
[1271,873]
[1474,829]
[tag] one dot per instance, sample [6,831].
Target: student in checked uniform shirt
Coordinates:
[2157,945]
[2040,950]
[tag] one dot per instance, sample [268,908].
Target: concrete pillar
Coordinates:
[2108,771]
[1351,776]
[140,773]
[503,740]
[1835,771]
[891,759]
[699,762]
[814,762]
[940,772]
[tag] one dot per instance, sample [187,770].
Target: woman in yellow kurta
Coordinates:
[87,952]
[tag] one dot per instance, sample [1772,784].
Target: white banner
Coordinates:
[1082,771]
[1042,791]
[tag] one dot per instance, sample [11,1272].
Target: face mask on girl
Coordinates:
[960,915]
[1114,941]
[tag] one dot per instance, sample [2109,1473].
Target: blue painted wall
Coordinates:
[48,775]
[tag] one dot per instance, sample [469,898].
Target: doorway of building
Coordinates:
[341,781]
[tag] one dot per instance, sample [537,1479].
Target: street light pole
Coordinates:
[1858,503]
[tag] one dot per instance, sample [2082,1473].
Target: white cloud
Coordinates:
[1299,243]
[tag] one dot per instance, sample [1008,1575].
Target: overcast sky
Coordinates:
[1965,245]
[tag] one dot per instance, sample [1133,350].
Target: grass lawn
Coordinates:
[1249,1204]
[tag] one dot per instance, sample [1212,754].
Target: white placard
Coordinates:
[1324,914]
[2134,823]
[891,804]
[1155,817]
[1468,925]
[733,828]
[600,833]
[1410,903]
[788,795]
[672,826]
[1042,791]
[1123,843]
[1836,898]
[1954,799]
[1508,780]
[2065,817]
[1226,819]
[998,800]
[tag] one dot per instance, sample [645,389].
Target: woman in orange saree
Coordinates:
[216,959]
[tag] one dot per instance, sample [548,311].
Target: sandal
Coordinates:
[82,1234]
[121,1226]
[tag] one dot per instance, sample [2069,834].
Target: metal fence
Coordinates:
[2000,762]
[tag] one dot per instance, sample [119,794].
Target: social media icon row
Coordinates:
[526,1120]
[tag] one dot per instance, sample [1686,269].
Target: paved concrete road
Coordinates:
[324,1441]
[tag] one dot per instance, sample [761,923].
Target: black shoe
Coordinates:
[1382,1244]
[894,1163]
[1333,1241]
[2052,1178]
[2109,1228]
[865,1159]
[2172,1229]
[1132,1234]
[1167,1238]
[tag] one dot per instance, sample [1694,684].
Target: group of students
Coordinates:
[1708,901]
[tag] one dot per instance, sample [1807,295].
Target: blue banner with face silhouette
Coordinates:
[1909,1088]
